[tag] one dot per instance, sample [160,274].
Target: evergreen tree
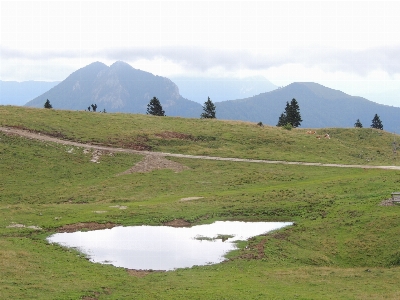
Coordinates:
[154,108]
[358,124]
[376,122]
[282,120]
[47,104]
[291,115]
[209,110]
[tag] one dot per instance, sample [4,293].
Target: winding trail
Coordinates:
[42,137]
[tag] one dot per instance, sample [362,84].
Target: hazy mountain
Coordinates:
[220,89]
[121,88]
[392,97]
[118,88]
[18,93]
[319,107]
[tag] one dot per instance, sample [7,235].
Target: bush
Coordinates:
[288,126]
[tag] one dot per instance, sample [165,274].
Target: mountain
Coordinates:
[121,88]
[319,107]
[18,93]
[118,88]
[220,89]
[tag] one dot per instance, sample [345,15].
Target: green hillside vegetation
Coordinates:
[344,244]
[208,137]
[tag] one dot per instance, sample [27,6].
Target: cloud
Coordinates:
[359,62]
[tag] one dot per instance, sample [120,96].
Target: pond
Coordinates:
[163,247]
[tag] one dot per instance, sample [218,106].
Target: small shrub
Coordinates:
[288,126]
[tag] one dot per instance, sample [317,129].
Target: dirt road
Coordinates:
[42,137]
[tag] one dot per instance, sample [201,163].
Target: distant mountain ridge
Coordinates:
[121,88]
[221,89]
[319,107]
[18,93]
[118,88]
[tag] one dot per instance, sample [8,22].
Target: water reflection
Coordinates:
[163,247]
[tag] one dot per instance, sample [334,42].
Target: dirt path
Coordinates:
[42,137]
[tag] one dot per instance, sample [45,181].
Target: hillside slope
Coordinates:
[343,243]
[196,136]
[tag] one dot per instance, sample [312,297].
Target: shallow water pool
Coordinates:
[163,247]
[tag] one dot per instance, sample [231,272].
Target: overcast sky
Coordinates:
[351,46]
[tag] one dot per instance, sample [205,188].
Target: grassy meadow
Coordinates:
[344,244]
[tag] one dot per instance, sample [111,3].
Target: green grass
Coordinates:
[344,245]
[209,137]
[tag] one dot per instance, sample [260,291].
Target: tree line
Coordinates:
[289,119]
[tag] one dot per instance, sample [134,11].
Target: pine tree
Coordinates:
[282,120]
[209,110]
[376,122]
[291,115]
[154,108]
[47,104]
[358,124]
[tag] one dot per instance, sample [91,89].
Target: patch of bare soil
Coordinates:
[280,235]
[96,154]
[155,162]
[137,147]
[191,198]
[387,202]
[119,206]
[174,135]
[86,226]
[178,223]
[16,225]
[141,273]
[254,251]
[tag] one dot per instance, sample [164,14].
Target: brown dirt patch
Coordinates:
[86,226]
[178,223]
[138,147]
[254,250]
[174,135]
[280,235]
[141,273]
[155,162]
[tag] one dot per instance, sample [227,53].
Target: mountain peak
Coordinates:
[120,63]
[118,88]
[96,63]
[320,90]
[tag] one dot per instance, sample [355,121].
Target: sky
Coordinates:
[353,46]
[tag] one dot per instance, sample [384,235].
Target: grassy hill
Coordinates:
[344,244]
[209,137]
